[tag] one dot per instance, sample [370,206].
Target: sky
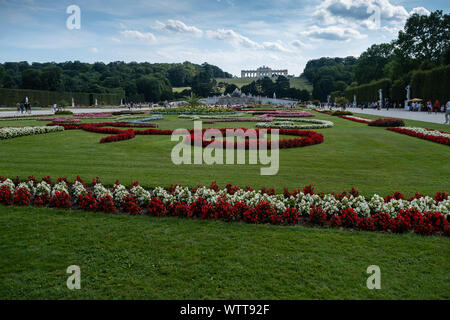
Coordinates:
[232,34]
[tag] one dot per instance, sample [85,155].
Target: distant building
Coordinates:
[262,72]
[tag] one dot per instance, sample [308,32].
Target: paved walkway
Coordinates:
[45,112]
[396,113]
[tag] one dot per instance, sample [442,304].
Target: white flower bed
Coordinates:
[428,132]
[360,119]
[8,133]
[289,123]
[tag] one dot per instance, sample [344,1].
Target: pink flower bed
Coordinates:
[288,114]
[66,120]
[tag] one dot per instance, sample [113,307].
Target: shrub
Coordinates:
[341,113]
[6,196]
[317,215]
[387,122]
[61,200]
[22,197]
[156,208]
[88,202]
[65,112]
[130,205]
[106,204]
[382,221]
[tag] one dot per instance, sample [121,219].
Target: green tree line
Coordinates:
[420,52]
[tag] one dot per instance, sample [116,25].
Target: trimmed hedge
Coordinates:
[369,92]
[10,97]
[432,84]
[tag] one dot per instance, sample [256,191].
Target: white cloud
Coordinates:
[420,11]
[233,38]
[94,50]
[336,33]
[115,39]
[275,46]
[134,34]
[177,26]
[360,12]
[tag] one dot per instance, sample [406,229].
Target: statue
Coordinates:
[354,101]
[381,98]
[408,92]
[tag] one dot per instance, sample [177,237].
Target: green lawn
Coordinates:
[124,257]
[371,159]
[171,258]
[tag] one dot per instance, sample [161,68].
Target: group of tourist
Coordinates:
[24,107]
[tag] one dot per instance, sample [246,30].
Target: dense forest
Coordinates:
[420,52]
[135,81]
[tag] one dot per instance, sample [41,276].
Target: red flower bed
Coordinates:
[6,196]
[308,138]
[387,122]
[123,135]
[437,139]
[22,197]
[263,212]
[61,200]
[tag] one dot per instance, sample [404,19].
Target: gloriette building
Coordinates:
[262,72]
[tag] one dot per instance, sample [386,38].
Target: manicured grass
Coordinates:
[371,159]
[125,257]
[180,89]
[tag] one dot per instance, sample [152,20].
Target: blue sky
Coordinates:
[232,34]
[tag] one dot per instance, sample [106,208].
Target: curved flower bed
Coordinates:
[356,119]
[420,214]
[9,133]
[308,138]
[289,124]
[441,137]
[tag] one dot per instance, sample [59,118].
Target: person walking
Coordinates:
[21,108]
[447,113]
[18,108]
[437,105]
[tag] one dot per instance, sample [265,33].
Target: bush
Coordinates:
[341,113]
[66,112]
[387,122]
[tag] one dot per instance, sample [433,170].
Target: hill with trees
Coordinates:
[134,81]
[420,57]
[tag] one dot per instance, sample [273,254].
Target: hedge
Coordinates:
[10,97]
[432,84]
[369,92]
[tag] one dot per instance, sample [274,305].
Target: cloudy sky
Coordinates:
[233,34]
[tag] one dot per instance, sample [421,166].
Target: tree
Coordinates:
[31,79]
[193,100]
[52,78]
[425,37]
[371,63]
[202,84]
[230,87]
[154,88]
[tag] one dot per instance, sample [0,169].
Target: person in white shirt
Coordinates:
[447,113]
